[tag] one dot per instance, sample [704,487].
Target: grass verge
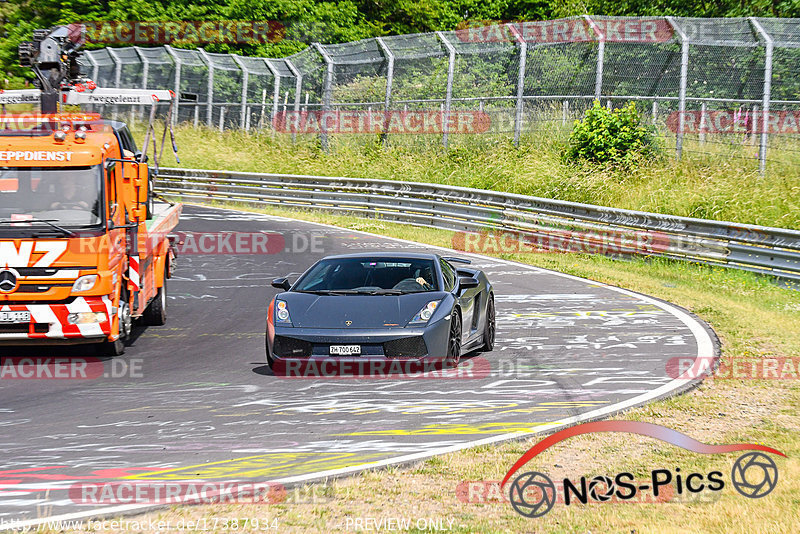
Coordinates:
[717,180]
[754,318]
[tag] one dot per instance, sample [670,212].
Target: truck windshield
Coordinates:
[67,196]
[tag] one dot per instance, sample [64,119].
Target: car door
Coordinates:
[466,301]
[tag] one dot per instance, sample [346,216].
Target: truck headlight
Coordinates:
[84,283]
[87,318]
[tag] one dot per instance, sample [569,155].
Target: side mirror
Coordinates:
[281,283]
[112,212]
[141,182]
[467,283]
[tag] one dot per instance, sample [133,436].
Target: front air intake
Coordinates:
[407,347]
[287,347]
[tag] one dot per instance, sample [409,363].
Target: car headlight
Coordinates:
[85,283]
[282,313]
[424,315]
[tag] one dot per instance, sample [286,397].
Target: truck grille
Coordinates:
[37,288]
[23,328]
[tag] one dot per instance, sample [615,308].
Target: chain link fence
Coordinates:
[712,87]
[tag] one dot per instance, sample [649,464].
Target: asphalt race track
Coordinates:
[194,399]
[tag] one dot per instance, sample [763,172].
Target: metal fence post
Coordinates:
[117,76]
[327,88]
[298,86]
[702,127]
[523,56]
[389,79]
[95,70]
[448,98]
[276,94]
[245,82]
[145,73]
[769,45]
[95,65]
[601,52]
[209,109]
[177,89]
[682,90]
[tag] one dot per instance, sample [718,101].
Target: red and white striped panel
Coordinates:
[133,272]
[56,316]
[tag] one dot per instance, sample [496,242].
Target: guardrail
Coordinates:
[505,221]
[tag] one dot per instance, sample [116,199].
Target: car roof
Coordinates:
[378,255]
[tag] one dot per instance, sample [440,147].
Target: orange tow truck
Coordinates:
[84,247]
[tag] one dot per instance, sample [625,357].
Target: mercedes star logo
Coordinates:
[8,280]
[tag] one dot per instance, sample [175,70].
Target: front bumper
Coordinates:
[290,343]
[49,322]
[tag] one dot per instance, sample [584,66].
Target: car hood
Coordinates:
[362,311]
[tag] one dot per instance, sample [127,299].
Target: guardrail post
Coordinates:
[601,52]
[177,89]
[682,90]
[326,97]
[245,82]
[769,48]
[523,56]
[448,98]
[389,79]
[298,86]
[209,109]
[276,95]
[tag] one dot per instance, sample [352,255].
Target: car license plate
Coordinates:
[15,317]
[345,350]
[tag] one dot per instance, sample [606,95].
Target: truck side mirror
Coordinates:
[111,166]
[141,182]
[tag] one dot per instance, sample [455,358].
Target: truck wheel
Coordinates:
[117,348]
[156,313]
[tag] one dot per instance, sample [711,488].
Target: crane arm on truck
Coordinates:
[84,249]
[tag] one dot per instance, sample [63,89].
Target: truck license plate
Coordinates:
[345,350]
[15,317]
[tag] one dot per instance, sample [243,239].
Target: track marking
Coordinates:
[705,350]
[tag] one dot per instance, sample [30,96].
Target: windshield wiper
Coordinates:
[387,292]
[331,292]
[68,233]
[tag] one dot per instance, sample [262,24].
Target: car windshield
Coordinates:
[384,276]
[66,196]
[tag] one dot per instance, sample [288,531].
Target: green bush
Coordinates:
[606,136]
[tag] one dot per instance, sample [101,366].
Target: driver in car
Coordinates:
[421,277]
[70,196]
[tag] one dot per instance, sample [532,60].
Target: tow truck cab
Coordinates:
[84,249]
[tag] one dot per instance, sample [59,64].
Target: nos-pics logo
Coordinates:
[533,494]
